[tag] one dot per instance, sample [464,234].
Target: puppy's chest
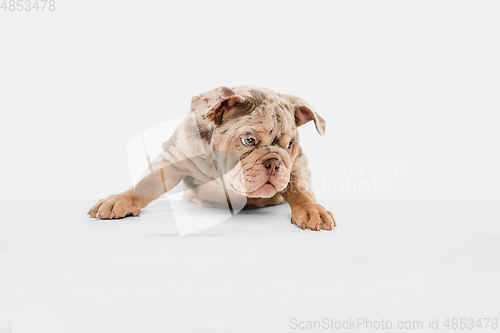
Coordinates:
[208,192]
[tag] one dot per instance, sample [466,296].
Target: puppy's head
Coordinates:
[260,127]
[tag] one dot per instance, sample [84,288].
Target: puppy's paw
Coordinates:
[115,206]
[313,216]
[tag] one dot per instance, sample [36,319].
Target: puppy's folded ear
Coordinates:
[304,113]
[215,104]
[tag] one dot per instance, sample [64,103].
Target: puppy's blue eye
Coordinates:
[289,145]
[248,141]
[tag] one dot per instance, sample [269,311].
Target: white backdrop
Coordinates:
[409,90]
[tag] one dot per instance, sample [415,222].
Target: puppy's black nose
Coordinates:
[272,165]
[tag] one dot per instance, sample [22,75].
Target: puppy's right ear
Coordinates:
[215,104]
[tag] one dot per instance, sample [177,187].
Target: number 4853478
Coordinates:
[28,5]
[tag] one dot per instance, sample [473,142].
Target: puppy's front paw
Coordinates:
[313,216]
[114,207]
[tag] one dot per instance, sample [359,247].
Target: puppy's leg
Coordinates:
[160,178]
[306,212]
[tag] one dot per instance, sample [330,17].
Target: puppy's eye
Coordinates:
[248,141]
[289,145]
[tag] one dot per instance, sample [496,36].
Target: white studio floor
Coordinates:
[62,271]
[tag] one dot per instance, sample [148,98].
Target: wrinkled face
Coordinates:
[260,127]
[266,140]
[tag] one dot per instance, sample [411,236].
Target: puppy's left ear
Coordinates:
[215,104]
[305,113]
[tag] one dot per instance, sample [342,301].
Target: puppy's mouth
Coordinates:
[256,179]
[266,190]
[268,184]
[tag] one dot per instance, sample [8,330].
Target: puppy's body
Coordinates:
[256,129]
